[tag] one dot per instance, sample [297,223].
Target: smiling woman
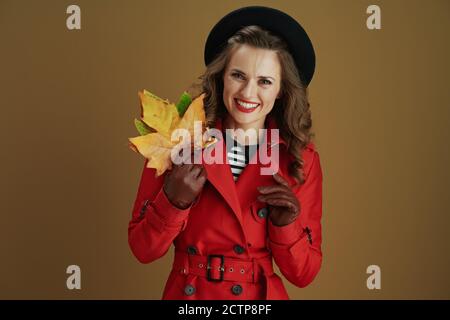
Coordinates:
[241,71]
[228,221]
[249,95]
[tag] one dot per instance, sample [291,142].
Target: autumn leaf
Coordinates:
[156,148]
[159,119]
[194,113]
[142,128]
[183,103]
[158,114]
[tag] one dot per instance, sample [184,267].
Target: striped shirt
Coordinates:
[238,155]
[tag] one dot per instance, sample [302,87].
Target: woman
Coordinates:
[228,221]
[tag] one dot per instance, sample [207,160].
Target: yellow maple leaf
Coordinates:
[195,112]
[156,148]
[158,114]
[163,117]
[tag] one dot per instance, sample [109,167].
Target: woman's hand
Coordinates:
[184,183]
[284,206]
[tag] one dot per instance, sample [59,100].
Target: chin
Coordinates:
[242,118]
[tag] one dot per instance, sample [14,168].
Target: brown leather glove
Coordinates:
[184,183]
[284,207]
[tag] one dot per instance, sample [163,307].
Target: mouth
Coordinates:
[245,107]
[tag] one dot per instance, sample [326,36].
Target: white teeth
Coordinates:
[247,105]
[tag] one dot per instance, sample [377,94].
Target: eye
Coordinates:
[236,75]
[265,81]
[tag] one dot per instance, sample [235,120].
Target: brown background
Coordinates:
[380,103]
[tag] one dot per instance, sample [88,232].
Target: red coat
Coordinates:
[229,228]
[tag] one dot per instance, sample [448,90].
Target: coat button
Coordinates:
[189,290]
[308,232]
[236,289]
[238,249]
[262,213]
[192,250]
[144,208]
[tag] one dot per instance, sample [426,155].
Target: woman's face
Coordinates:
[252,81]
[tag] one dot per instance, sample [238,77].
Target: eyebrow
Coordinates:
[265,77]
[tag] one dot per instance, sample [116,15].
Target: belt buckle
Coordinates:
[221,268]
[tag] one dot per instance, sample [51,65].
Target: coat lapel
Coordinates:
[239,195]
[251,177]
[220,176]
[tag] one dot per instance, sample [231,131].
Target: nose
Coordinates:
[249,90]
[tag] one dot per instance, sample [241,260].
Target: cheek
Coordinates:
[230,87]
[226,89]
[227,97]
[267,109]
[229,90]
[269,101]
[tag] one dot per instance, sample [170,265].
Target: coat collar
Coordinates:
[242,193]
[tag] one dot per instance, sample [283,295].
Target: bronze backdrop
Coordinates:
[380,103]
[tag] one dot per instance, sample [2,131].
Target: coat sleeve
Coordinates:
[155,222]
[296,247]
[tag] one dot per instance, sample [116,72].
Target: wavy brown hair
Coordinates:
[291,111]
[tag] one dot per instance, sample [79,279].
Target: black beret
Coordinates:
[270,19]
